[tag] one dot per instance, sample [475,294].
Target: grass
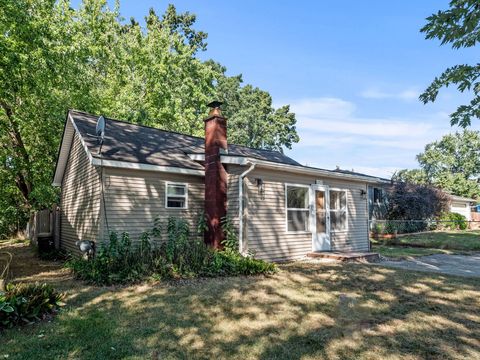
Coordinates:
[468,240]
[436,242]
[306,311]
[406,252]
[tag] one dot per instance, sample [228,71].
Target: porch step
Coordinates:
[345,256]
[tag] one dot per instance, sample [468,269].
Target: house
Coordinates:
[280,209]
[462,205]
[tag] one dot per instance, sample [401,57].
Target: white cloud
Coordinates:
[361,126]
[323,107]
[407,94]
[331,133]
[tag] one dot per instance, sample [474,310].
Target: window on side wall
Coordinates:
[377,196]
[176,195]
[338,210]
[298,214]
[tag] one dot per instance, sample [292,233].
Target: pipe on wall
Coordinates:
[240,207]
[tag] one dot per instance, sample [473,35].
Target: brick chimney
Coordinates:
[215,175]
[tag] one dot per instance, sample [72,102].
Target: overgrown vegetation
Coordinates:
[453,221]
[26,303]
[181,255]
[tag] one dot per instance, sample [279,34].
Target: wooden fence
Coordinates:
[44,225]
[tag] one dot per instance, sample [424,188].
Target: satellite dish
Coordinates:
[100,129]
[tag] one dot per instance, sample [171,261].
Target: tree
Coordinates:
[452,164]
[456,153]
[53,57]
[414,176]
[252,120]
[407,201]
[460,27]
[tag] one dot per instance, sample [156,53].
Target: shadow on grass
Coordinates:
[306,310]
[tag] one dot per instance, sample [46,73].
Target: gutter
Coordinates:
[298,169]
[240,206]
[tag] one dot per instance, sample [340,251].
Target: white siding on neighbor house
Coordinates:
[265,217]
[462,208]
[80,199]
[134,198]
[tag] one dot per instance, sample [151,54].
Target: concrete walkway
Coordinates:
[460,265]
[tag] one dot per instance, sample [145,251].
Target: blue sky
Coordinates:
[351,70]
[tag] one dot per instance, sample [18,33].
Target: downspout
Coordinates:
[240,206]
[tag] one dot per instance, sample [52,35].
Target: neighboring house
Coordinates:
[462,205]
[280,209]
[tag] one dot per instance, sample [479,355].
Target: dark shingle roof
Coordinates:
[147,145]
[348,172]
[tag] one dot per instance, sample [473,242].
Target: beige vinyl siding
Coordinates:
[266,229]
[134,198]
[80,199]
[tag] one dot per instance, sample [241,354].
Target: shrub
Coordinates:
[390,227]
[230,243]
[25,303]
[453,221]
[407,201]
[120,261]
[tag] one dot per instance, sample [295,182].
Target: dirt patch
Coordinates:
[26,266]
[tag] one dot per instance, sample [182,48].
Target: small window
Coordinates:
[176,196]
[298,214]
[377,196]
[338,210]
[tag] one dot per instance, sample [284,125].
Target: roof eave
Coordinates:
[316,171]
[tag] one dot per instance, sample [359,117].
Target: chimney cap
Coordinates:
[215,108]
[215,104]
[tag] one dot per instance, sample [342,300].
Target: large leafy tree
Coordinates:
[53,57]
[458,26]
[456,153]
[252,120]
[452,163]
[414,176]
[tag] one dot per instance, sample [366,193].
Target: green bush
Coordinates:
[25,303]
[453,221]
[121,262]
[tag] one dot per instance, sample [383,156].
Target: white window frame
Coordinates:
[308,209]
[337,210]
[167,183]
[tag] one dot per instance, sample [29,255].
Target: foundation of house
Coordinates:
[346,256]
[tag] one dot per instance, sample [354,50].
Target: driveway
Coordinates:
[460,265]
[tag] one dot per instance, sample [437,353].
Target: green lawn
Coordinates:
[306,311]
[437,242]
[468,240]
[405,252]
